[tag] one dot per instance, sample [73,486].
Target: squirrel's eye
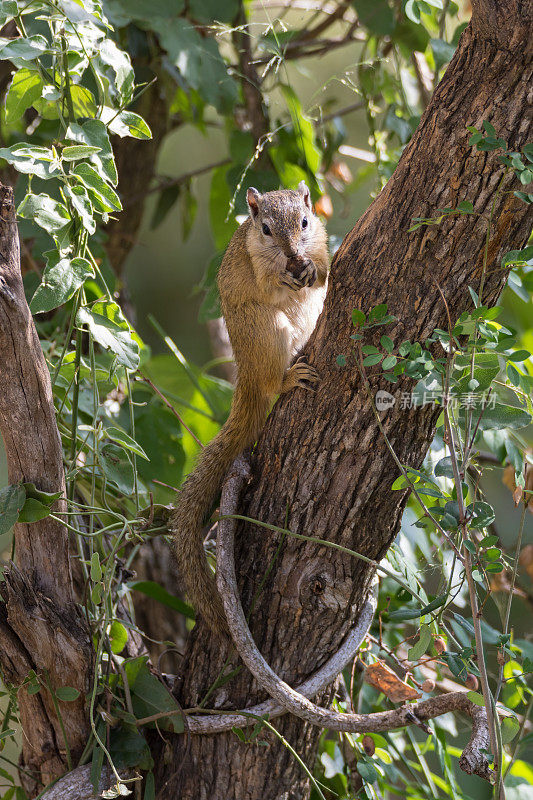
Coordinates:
[304,222]
[266,230]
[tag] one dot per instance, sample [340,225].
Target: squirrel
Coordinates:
[272,284]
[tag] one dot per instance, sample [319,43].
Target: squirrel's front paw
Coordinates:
[289,280]
[308,274]
[302,269]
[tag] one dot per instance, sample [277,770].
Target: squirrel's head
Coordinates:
[284,219]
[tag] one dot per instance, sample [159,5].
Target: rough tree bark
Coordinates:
[41,627]
[321,465]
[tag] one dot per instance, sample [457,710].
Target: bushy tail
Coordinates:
[198,493]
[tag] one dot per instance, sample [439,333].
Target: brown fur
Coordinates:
[269,315]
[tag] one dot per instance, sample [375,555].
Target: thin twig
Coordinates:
[165,183]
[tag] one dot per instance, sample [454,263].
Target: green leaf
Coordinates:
[60,282]
[48,498]
[96,568]
[96,593]
[129,749]
[207,11]
[198,61]
[67,693]
[519,356]
[165,202]
[371,360]
[456,664]
[11,502]
[304,130]
[367,770]
[94,133]
[106,198]
[116,65]
[494,566]
[31,160]
[499,416]
[387,343]
[33,511]
[50,215]
[83,101]
[389,362]
[510,727]
[189,207]
[358,317]
[413,613]
[417,650]
[8,10]
[150,696]
[482,514]
[444,468]
[377,313]
[81,202]
[442,52]
[141,11]
[376,15]
[24,90]
[127,123]
[159,434]
[78,151]
[412,10]
[411,36]
[476,698]
[118,637]
[400,483]
[116,466]
[25,49]
[436,603]
[157,592]
[219,200]
[126,441]
[404,614]
[112,333]
[149,787]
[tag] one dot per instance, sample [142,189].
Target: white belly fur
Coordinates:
[298,315]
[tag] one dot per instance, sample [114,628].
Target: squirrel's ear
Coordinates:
[252,198]
[304,191]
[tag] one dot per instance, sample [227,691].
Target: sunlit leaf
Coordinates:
[24,89]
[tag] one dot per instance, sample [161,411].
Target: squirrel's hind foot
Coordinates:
[301,375]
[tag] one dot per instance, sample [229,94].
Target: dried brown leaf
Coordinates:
[382,677]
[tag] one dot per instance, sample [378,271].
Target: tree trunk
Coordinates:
[321,466]
[41,627]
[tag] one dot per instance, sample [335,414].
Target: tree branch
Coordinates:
[331,18]
[474,761]
[77,785]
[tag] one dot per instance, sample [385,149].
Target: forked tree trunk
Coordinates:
[321,466]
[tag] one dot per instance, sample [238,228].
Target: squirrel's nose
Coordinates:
[291,251]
